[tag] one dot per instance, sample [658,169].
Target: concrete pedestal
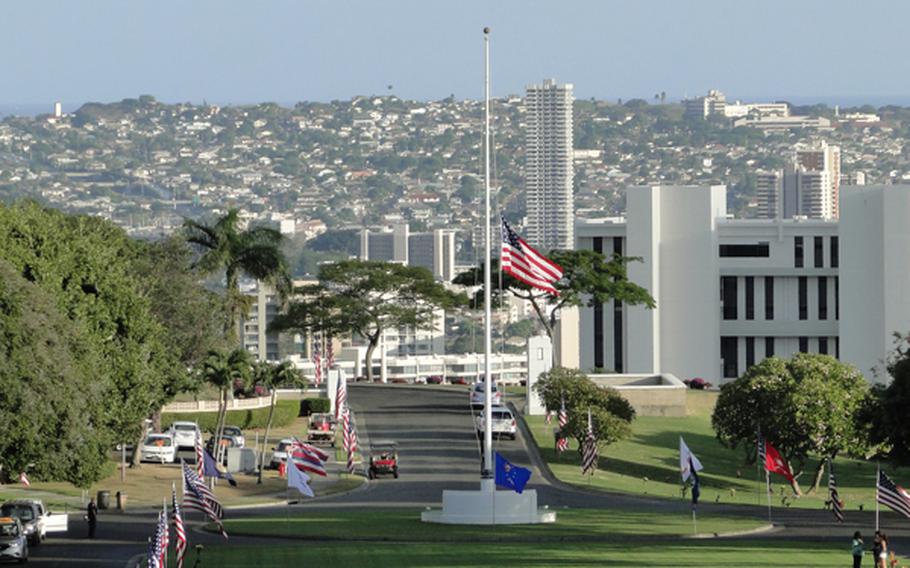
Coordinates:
[489,507]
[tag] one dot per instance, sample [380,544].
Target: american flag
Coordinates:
[308,458]
[329,352]
[23,479]
[341,397]
[198,497]
[562,444]
[200,459]
[151,555]
[760,442]
[837,506]
[526,264]
[350,438]
[589,450]
[179,529]
[317,361]
[548,418]
[161,538]
[893,495]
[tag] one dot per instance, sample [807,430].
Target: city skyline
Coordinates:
[285,52]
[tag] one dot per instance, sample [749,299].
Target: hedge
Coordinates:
[285,413]
[314,406]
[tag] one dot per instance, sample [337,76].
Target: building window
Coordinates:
[728,296]
[822,298]
[798,252]
[750,351]
[835,253]
[617,319]
[837,347]
[769,347]
[803,298]
[599,318]
[745,251]
[819,252]
[823,345]
[750,297]
[730,356]
[803,344]
[769,298]
[836,298]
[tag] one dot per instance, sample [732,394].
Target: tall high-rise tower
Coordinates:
[808,186]
[549,171]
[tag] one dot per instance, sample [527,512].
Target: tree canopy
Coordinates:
[890,428]
[810,405]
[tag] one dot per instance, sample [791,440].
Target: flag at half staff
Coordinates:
[775,463]
[522,261]
[688,463]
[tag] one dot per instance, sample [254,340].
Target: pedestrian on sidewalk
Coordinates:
[857,550]
[92,517]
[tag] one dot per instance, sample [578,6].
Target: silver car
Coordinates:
[13,542]
[503,422]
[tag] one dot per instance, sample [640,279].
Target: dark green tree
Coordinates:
[367,297]
[810,405]
[890,429]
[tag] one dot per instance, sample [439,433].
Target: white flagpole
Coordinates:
[694,522]
[167,530]
[487,473]
[878,475]
[768,492]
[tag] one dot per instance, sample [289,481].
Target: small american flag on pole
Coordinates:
[341,396]
[837,506]
[179,529]
[562,443]
[317,361]
[522,261]
[589,450]
[23,479]
[199,497]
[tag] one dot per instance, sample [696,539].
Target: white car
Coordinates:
[280,452]
[13,542]
[36,520]
[159,448]
[185,434]
[236,434]
[477,395]
[503,422]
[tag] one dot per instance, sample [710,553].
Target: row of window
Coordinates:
[729,351]
[599,355]
[818,245]
[729,292]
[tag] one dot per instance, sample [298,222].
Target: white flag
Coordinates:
[685,458]
[297,479]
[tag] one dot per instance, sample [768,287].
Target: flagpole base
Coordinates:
[489,507]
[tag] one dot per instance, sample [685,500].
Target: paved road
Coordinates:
[438,450]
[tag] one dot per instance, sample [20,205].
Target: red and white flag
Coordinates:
[562,444]
[774,463]
[179,529]
[522,261]
[23,479]
[341,397]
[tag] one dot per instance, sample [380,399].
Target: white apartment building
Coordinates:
[549,171]
[714,103]
[434,250]
[808,186]
[731,292]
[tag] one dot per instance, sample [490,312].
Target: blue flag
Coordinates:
[511,476]
[696,489]
[212,469]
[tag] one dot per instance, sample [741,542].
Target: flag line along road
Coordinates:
[438,450]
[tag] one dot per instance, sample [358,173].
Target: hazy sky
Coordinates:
[245,51]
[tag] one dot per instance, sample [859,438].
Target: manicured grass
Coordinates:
[648,464]
[703,554]
[399,524]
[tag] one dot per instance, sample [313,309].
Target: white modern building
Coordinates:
[731,292]
[808,186]
[549,170]
[434,250]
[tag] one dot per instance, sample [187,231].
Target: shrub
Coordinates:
[314,405]
[285,413]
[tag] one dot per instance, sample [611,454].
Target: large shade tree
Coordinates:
[366,298]
[810,406]
[589,279]
[890,429]
[228,248]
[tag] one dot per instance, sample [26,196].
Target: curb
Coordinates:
[764,529]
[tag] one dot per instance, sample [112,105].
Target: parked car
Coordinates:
[280,452]
[185,434]
[458,381]
[477,395]
[236,434]
[434,380]
[503,422]
[159,448]
[36,520]
[226,441]
[13,542]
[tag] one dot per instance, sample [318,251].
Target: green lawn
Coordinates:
[648,464]
[702,554]
[406,525]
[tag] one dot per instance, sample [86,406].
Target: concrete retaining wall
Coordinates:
[650,395]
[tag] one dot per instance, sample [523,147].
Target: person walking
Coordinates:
[877,549]
[857,550]
[92,517]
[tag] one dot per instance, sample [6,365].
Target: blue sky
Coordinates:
[243,51]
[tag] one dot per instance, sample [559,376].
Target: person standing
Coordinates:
[92,517]
[883,555]
[877,549]
[857,550]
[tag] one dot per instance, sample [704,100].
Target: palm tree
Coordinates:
[254,252]
[221,370]
[270,377]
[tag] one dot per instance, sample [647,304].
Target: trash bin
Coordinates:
[121,501]
[104,500]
